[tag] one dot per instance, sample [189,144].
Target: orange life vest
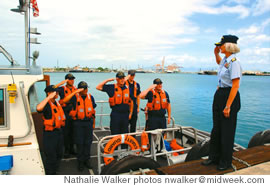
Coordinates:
[159,101]
[120,96]
[135,88]
[67,92]
[84,108]
[58,117]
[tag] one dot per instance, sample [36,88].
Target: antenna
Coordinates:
[12,77]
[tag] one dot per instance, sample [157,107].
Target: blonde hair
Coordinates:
[231,47]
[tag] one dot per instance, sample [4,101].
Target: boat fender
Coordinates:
[144,142]
[199,150]
[115,142]
[260,138]
[129,163]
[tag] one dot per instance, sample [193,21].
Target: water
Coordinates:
[191,98]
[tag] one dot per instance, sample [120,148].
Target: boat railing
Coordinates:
[101,114]
[103,141]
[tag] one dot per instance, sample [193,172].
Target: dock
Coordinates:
[255,161]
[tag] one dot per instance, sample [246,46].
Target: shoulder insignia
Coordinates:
[233,59]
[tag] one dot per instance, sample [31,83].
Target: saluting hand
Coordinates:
[152,86]
[226,112]
[217,50]
[110,79]
[51,95]
[79,90]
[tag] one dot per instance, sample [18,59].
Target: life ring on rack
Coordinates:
[115,142]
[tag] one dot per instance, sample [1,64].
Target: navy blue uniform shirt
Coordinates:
[160,112]
[121,108]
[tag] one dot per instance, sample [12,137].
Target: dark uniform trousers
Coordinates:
[53,149]
[134,117]
[119,122]
[83,137]
[155,122]
[68,134]
[223,132]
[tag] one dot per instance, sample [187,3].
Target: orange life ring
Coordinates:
[115,142]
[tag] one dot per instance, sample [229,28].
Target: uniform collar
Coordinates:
[230,57]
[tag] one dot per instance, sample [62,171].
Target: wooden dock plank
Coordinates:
[253,156]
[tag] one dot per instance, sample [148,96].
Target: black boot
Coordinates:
[80,166]
[87,164]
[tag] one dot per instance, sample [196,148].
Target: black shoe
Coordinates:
[222,167]
[80,166]
[66,155]
[87,164]
[208,162]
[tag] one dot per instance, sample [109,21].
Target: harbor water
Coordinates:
[191,97]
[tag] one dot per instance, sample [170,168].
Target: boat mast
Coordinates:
[27,33]
[24,7]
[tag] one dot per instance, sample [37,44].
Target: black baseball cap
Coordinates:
[69,76]
[82,84]
[131,72]
[157,81]
[51,88]
[120,74]
[227,38]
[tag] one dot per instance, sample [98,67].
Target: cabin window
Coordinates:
[2,108]
[36,94]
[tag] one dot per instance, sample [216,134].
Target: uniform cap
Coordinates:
[51,88]
[70,76]
[131,72]
[227,38]
[82,84]
[120,74]
[157,81]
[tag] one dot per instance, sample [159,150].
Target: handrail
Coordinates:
[27,113]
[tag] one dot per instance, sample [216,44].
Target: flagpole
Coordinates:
[27,39]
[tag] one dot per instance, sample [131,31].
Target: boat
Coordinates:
[21,129]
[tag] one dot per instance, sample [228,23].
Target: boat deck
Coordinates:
[253,156]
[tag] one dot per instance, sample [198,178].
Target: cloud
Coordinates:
[260,7]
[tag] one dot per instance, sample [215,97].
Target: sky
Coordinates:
[139,33]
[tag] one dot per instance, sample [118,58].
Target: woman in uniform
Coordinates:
[226,103]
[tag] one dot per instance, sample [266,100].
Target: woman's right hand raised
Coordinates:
[217,50]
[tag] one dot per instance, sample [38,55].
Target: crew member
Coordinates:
[135,90]
[83,114]
[53,120]
[226,103]
[64,91]
[158,103]
[120,103]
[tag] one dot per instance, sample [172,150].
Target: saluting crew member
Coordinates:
[83,114]
[135,90]
[158,104]
[226,103]
[64,91]
[120,103]
[53,120]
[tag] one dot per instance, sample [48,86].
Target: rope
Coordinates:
[241,161]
